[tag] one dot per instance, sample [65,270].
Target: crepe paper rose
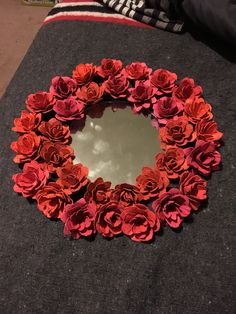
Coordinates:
[55,131]
[204,158]
[108,219]
[91,93]
[84,73]
[27,122]
[117,86]
[52,200]
[166,108]
[109,67]
[195,109]
[79,219]
[69,110]
[26,147]
[40,102]
[208,131]
[72,177]
[63,87]
[98,192]
[56,155]
[151,183]
[126,194]
[163,80]
[194,187]
[142,95]
[31,179]
[178,132]
[173,162]
[139,223]
[186,89]
[137,71]
[172,207]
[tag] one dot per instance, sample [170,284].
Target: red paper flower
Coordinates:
[178,132]
[91,93]
[27,122]
[54,131]
[79,219]
[163,80]
[56,155]
[137,71]
[98,192]
[108,219]
[151,183]
[186,89]
[109,67]
[208,131]
[196,109]
[26,147]
[142,95]
[40,102]
[204,157]
[139,223]
[194,187]
[84,73]
[72,177]
[117,86]
[126,194]
[173,162]
[31,180]
[166,108]
[172,207]
[63,87]
[51,200]
[69,110]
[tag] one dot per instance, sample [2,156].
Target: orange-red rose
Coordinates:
[178,132]
[84,73]
[186,89]
[151,183]
[196,109]
[55,131]
[208,131]
[109,67]
[137,71]
[126,194]
[56,155]
[52,200]
[194,187]
[91,93]
[163,80]
[72,177]
[40,102]
[27,122]
[139,223]
[108,219]
[98,192]
[31,180]
[173,162]
[79,219]
[26,147]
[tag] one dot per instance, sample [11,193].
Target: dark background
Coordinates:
[191,271]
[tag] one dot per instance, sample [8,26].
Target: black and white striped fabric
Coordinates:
[162,14]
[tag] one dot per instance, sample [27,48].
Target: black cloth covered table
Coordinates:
[190,271]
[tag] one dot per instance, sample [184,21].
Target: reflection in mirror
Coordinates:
[114,143]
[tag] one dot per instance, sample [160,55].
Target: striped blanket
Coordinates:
[162,14]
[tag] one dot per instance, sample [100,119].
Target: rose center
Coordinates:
[116,146]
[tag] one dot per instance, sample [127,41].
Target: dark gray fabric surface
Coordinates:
[191,271]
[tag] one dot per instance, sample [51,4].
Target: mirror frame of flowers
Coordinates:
[163,195]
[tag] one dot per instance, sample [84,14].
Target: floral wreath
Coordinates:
[163,194]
